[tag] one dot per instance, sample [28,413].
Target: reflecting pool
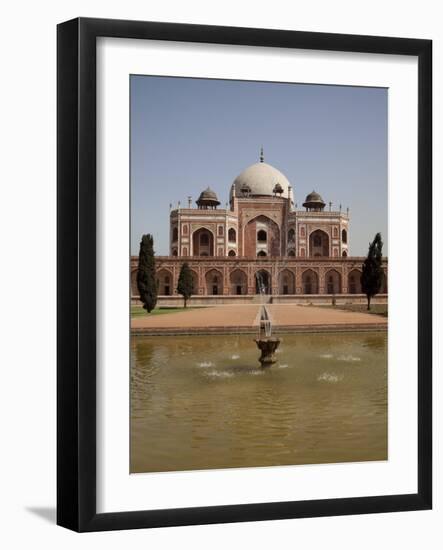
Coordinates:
[201,402]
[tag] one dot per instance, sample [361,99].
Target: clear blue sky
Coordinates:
[188,133]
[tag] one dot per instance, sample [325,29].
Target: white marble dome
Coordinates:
[261,178]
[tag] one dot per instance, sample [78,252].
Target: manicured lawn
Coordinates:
[376,309]
[138,311]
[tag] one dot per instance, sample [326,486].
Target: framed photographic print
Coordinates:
[244,274]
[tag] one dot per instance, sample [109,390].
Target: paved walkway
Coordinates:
[295,315]
[243,318]
[216,316]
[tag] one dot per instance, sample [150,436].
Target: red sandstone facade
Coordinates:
[283,276]
[260,242]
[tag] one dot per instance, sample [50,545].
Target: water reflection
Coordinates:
[200,402]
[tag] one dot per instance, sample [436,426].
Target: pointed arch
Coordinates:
[261,233]
[309,282]
[332,282]
[319,243]
[203,242]
[263,282]
[286,282]
[214,282]
[354,282]
[164,282]
[239,282]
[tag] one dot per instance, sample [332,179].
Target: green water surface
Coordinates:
[200,402]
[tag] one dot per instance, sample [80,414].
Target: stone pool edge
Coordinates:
[282,329]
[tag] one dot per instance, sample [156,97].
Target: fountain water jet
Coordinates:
[265,342]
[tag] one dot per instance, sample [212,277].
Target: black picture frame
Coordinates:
[76,274]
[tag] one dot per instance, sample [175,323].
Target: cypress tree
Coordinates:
[372,275]
[185,285]
[146,283]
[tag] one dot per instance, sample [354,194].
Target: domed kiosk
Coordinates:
[314,202]
[207,199]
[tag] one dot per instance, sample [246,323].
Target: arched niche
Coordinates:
[309,282]
[214,282]
[239,282]
[318,244]
[354,281]
[164,282]
[332,282]
[263,282]
[286,282]
[261,233]
[203,242]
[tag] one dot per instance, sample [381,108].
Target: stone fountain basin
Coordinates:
[267,346]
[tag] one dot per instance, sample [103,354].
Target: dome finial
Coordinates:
[262,158]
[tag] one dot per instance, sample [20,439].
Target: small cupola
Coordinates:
[207,199]
[278,190]
[314,202]
[245,189]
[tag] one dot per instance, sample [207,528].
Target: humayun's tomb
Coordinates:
[260,243]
